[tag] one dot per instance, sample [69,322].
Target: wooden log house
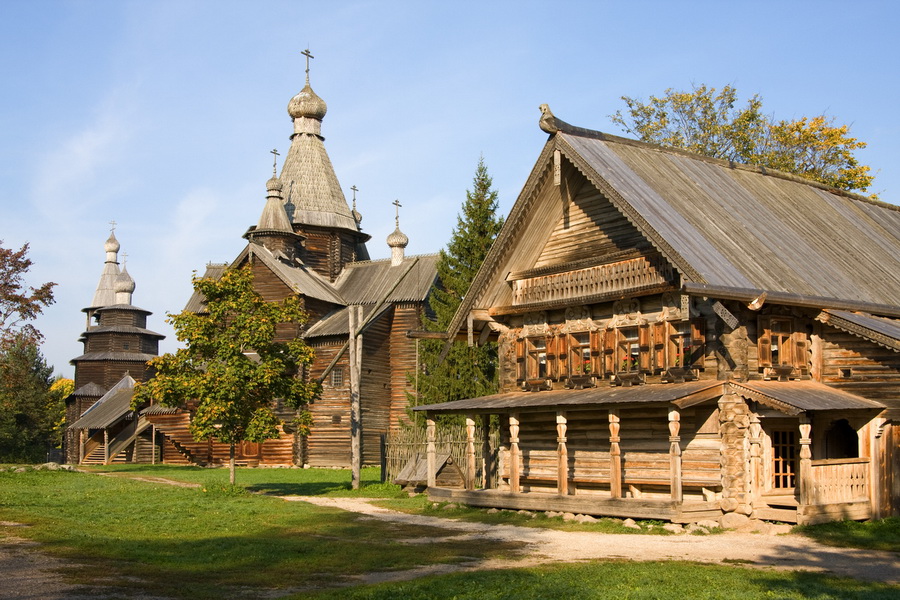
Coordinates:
[308,243]
[682,337]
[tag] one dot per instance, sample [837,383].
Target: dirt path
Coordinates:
[793,552]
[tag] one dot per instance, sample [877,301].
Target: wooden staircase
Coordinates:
[176,428]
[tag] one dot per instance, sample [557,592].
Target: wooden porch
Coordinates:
[836,489]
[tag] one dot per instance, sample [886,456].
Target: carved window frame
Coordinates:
[780,343]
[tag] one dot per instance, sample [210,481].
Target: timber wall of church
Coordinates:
[328,443]
[403,361]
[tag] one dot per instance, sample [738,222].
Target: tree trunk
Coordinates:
[231,464]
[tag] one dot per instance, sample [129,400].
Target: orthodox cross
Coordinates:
[112,228]
[275,155]
[308,56]
[397,217]
[124,258]
[355,189]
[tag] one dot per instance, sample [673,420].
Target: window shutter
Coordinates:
[698,343]
[551,356]
[609,350]
[562,355]
[520,359]
[644,342]
[660,340]
[596,341]
[801,352]
[764,336]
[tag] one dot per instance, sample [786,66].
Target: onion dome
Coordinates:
[307,104]
[273,185]
[124,282]
[112,244]
[397,239]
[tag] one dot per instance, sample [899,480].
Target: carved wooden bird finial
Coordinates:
[548,122]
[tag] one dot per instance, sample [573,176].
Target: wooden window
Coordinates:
[628,350]
[781,344]
[784,458]
[537,358]
[580,354]
[337,377]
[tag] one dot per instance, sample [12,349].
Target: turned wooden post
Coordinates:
[106,446]
[562,454]
[615,455]
[805,475]
[470,452]
[514,452]
[430,452]
[355,347]
[756,487]
[675,454]
[81,443]
[487,464]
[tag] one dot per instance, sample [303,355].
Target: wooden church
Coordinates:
[685,338]
[117,345]
[308,243]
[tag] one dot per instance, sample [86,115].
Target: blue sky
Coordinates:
[161,115]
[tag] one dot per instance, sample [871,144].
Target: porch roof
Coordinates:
[115,405]
[789,397]
[603,394]
[794,397]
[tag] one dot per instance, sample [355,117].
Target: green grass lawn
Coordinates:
[191,543]
[614,580]
[214,541]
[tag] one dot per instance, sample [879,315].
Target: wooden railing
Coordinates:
[837,480]
[619,276]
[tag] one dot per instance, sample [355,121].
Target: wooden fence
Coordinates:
[401,445]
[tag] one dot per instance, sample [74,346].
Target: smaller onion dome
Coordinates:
[397,239]
[307,104]
[274,185]
[124,282]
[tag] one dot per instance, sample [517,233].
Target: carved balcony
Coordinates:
[631,275]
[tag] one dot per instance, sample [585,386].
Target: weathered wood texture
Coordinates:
[645,451]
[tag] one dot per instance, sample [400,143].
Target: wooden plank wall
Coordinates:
[874,369]
[375,386]
[328,443]
[403,361]
[593,227]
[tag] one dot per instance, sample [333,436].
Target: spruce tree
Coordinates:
[466,372]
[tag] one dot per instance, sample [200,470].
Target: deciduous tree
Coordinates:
[466,371]
[234,367]
[709,122]
[19,303]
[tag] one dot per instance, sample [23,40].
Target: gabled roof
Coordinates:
[337,322]
[112,406]
[197,303]
[369,282]
[723,226]
[295,275]
[90,389]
